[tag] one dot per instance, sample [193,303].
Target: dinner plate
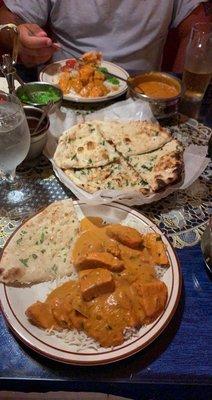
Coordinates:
[51,72]
[15,300]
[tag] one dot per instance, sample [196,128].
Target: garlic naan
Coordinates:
[117,175]
[40,249]
[134,137]
[83,146]
[160,167]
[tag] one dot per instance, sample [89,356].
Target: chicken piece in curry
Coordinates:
[84,76]
[116,289]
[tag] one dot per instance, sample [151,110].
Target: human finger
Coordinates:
[32,36]
[44,51]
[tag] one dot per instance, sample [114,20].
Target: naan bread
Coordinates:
[40,250]
[118,175]
[160,167]
[134,137]
[100,155]
[89,179]
[83,146]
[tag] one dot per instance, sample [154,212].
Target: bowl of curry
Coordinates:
[161,90]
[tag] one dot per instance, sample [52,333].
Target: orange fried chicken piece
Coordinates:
[99,260]
[92,57]
[130,237]
[152,297]
[153,242]
[85,73]
[95,282]
[40,314]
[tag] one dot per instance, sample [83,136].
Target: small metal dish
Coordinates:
[39,139]
[161,107]
[27,92]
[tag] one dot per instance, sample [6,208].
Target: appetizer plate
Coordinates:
[15,300]
[51,73]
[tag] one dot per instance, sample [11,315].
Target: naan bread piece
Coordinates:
[134,137]
[89,178]
[40,250]
[161,167]
[83,146]
[118,175]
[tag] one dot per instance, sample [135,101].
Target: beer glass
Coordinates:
[198,62]
[14,146]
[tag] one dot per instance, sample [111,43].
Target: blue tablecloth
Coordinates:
[177,365]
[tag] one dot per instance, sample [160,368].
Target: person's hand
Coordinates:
[35,46]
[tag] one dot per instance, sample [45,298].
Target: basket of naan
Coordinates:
[119,160]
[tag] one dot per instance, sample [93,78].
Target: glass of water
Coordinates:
[14,146]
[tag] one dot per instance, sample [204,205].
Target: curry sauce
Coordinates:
[116,289]
[157,90]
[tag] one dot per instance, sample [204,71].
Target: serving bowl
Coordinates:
[38,140]
[39,94]
[163,105]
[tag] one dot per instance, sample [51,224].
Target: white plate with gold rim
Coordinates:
[15,300]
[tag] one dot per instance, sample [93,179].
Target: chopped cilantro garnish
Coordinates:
[113,80]
[103,69]
[24,261]
[42,236]
[54,268]
[145,167]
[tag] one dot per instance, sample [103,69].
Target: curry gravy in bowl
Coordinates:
[157,90]
[160,89]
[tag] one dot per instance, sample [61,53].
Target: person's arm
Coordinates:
[177,40]
[35,46]
[7,17]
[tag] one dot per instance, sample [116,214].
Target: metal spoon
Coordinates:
[46,110]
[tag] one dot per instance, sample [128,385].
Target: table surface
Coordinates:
[177,365]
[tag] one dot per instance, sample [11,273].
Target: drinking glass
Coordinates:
[198,62]
[14,146]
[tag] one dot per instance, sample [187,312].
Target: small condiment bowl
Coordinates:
[29,92]
[38,140]
[163,107]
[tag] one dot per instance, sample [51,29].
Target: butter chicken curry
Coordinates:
[157,90]
[117,287]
